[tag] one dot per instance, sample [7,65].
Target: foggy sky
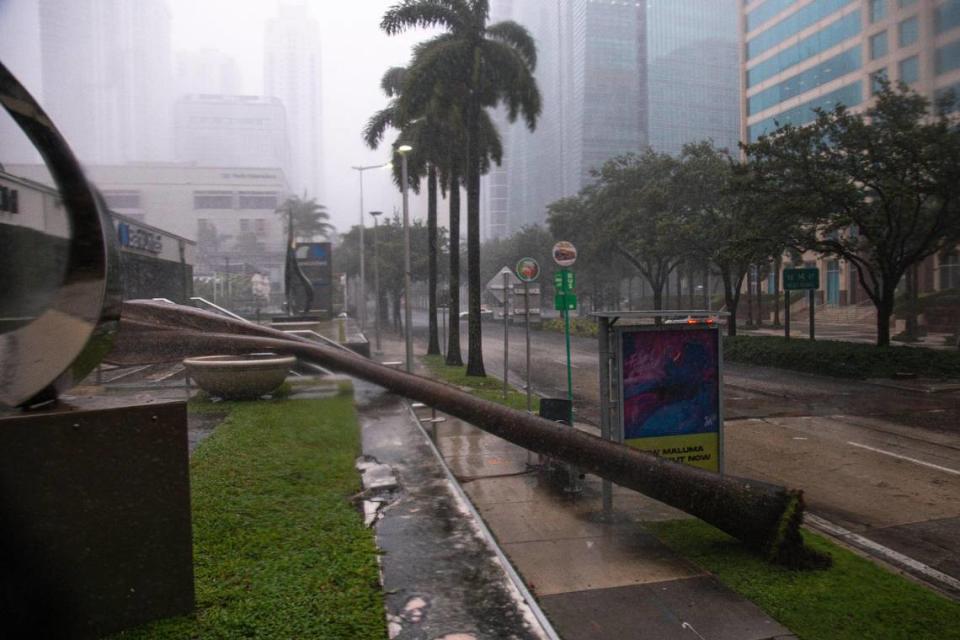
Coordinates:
[354,52]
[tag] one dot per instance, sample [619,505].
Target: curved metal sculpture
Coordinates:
[51,339]
[293,274]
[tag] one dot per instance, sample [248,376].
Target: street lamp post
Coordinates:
[403,150]
[376,279]
[362,302]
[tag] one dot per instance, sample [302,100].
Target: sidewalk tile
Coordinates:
[663,611]
[560,566]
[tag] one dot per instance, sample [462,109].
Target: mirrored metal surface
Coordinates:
[59,286]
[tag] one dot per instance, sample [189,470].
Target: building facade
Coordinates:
[616,77]
[798,55]
[291,73]
[231,131]
[152,262]
[230,212]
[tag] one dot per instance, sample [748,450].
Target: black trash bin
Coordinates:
[556,409]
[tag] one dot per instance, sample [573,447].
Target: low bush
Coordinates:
[842,359]
[583,327]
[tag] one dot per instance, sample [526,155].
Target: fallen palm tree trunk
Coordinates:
[765,517]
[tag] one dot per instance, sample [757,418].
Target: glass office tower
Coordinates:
[616,77]
[802,54]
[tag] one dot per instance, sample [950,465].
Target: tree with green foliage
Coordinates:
[635,208]
[468,68]
[390,247]
[722,221]
[880,189]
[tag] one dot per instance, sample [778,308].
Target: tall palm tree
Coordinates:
[423,160]
[463,71]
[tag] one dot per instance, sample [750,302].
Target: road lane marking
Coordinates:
[908,459]
[886,552]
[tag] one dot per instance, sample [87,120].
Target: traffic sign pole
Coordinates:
[786,314]
[526,314]
[566,332]
[527,270]
[506,331]
[565,254]
[812,314]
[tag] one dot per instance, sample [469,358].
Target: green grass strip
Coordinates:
[279,551]
[488,388]
[853,600]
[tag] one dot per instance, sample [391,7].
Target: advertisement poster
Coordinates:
[670,393]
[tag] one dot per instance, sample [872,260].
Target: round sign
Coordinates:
[564,253]
[528,269]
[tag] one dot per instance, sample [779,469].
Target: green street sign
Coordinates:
[801,279]
[565,302]
[564,281]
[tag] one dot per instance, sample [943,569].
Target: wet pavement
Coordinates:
[593,575]
[596,576]
[441,577]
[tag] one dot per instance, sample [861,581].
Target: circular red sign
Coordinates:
[564,253]
[527,269]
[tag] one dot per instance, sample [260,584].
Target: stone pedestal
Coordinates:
[95,531]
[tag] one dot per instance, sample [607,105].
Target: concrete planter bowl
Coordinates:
[244,377]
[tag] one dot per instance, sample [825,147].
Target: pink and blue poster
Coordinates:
[670,390]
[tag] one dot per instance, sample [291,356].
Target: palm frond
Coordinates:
[480,10]
[434,78]
[411,14]
[377,126]
[515,35]
[392,81]
[491,144]
[507,78]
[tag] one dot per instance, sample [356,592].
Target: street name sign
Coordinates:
[564,281]
[801,279]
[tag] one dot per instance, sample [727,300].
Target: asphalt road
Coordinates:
[880,462]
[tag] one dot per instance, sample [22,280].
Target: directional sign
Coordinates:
[564,281]
[800,279]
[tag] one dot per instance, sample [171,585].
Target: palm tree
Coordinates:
[438,142]
[461,72]
[423,159]
[304,217]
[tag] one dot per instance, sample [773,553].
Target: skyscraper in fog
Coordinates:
[292,74]
[106,75]
[207,71]
[616,77]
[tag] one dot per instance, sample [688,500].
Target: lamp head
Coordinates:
[376,213]
[404,149]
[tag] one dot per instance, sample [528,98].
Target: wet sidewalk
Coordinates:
[593,577]
[442,578]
